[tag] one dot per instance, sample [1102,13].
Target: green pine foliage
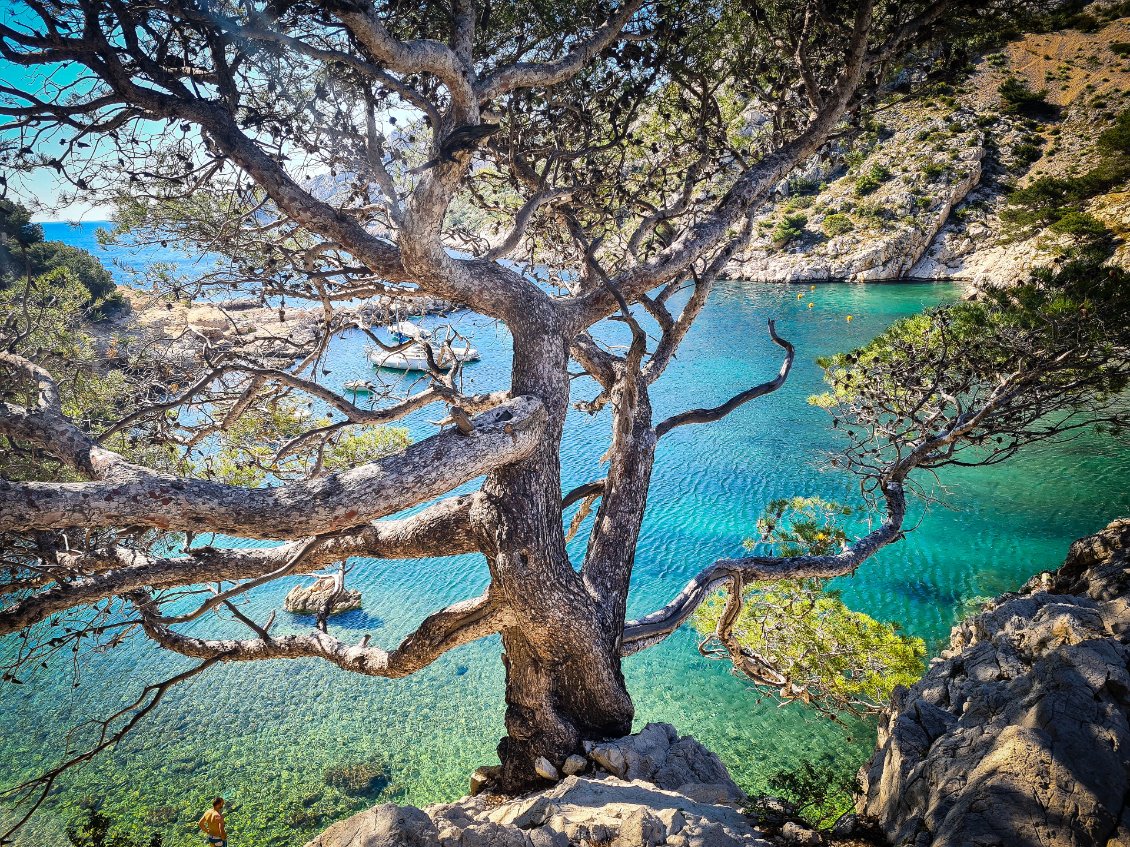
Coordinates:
[789,228]
[1050,200]
[50,315]
[24,253]
[840,659]
[1018,99]
[837,223]
[821,790]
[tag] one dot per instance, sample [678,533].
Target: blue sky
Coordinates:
[42,187]
[40,190]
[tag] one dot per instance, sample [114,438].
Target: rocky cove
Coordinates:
[919,190]
[1019,734]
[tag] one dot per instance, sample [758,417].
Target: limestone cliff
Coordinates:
[917,191]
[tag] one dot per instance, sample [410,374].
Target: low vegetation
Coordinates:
[24,254]
[789,229]
[875,176]
[820,791]
[837,223]
[1018,99]
[1059,202]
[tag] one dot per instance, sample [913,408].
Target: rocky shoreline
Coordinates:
[276,335]
[1019,734]
[652,788]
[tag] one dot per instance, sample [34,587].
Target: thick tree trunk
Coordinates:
[563,678]
[554,703]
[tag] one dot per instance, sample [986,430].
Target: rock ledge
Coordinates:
[646,790]
[1020,734]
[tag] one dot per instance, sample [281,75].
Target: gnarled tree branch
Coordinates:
[458,624]
[309,507]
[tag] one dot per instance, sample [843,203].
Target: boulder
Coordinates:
[597,809]
[311,599]
[574,765]
[793,833]
[481,778]
[387,825]
[1020,733]
[658,755]
[545,769]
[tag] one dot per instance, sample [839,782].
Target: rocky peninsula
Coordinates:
[918,190]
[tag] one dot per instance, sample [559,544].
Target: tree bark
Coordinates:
[563,679]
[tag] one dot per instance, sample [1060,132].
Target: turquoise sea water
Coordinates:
[263,734]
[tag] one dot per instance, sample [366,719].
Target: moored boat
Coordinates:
[414,357]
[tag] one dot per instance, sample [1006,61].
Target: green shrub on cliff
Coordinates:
[790,228]
[868,182]
[1059,202]
[837,224]
[821,790]
[1018,98]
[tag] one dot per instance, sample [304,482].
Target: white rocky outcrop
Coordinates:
[932,160]
[312,599]
[649,789]
[946,166]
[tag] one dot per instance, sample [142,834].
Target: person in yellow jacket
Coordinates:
[212,824]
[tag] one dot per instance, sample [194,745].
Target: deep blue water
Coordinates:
[264,733]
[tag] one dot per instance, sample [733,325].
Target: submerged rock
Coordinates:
[1020,734]
[311,599]
[673,792]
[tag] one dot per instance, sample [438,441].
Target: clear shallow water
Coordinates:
[264,733]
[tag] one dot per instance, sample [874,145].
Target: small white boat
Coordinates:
[414,357]
[359,386]
[402,331]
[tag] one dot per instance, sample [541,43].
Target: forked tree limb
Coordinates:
[442,529]
[753,186]
[655,627]
[580,53]
[753,665]
[458,624]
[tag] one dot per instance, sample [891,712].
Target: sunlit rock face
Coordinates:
[648,789]
[323,594]
[1020,733]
